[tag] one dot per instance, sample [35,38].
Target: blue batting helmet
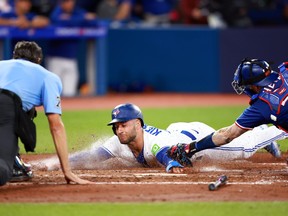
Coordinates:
[126,112]
[253,72]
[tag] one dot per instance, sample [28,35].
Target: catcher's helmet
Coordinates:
[126,112]
[253,72]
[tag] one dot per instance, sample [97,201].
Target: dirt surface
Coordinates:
[261,178]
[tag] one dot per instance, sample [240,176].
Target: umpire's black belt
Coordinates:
[9,93]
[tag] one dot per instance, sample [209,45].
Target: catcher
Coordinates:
[268,91]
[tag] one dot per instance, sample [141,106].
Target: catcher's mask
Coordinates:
[125,112]
[252,72]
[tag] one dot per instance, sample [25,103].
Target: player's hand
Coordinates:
[176,170]
[71,177]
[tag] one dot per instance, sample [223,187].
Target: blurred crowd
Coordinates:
[61,54]
[212,13]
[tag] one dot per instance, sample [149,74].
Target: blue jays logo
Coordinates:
[115,113]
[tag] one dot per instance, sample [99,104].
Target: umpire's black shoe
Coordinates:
[21,170]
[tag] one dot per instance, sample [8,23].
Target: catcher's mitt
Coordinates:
[181,153]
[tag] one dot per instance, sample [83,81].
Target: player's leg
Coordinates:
[273,147]
[55,65]
[70,77]
[193,131]
[77,160]
[244,146]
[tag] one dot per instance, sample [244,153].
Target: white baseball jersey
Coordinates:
[156,139]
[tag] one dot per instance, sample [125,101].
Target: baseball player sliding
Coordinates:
[141,144]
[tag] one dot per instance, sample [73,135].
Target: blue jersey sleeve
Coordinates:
[163,158]
[257,114]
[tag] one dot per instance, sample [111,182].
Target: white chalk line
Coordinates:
[215,169]
[137,175]
[158,183]
[132,175]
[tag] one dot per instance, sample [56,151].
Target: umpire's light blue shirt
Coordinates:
[35,85]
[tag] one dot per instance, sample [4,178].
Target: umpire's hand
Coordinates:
[72,178]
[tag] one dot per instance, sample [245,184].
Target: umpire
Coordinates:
[25,84]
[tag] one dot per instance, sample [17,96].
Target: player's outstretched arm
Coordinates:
[171,165]
[90,157]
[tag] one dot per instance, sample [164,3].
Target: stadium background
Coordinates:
[170,59]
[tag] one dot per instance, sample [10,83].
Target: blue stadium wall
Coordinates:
[167,59]
[183,59]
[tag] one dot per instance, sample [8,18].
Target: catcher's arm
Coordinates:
[170,164]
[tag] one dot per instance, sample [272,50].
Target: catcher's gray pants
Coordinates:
[8,138]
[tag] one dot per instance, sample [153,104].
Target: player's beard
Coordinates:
[127,138]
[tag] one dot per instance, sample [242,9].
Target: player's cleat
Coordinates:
[273,149]
[21,171]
